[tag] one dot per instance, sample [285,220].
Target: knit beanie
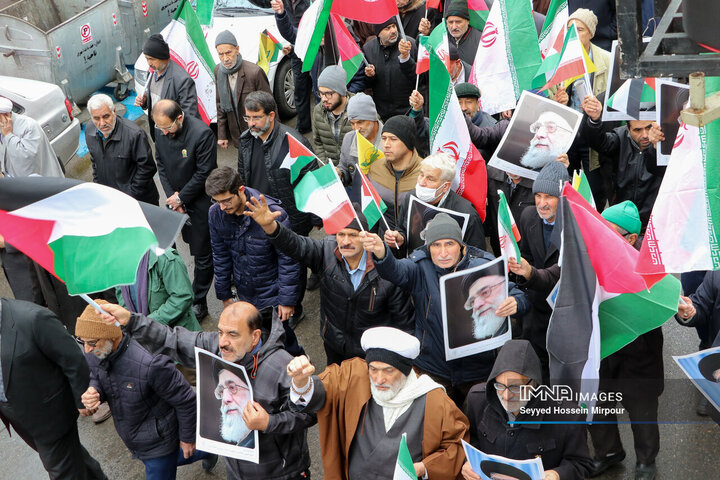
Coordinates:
[379,27]
[467,90]
[90,325]
[156,47]
[587,17]
[551,179]
[458,8]
[361,107]
[403,127]
[625,215]
[334,78]
[226,37]
[363,221]
[442,227]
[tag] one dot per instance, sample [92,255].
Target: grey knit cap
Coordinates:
[334,78]
[442,227]
[361,107]
[551,179]
[226,37]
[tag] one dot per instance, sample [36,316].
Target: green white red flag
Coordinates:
[684,228]
[368,11]
[404,467]
[321,192]
[350,54]
[438,42]
[449,134]
[189,50]
[554,29]
[310,32]
[297,158]
[423,60]
[573,62]
[508,231]
[89,236]
[601,304]
[371,203]
[508,55]
[478,11]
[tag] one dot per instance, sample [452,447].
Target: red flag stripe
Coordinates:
[30,236]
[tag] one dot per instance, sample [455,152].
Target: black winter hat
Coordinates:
[403,127]
[156,47]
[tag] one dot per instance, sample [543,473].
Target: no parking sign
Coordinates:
[85,33]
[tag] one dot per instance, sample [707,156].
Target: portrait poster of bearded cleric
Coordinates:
[495,467]
[223,392]
[420,214]
[539,131]
[469,301]
[703,368]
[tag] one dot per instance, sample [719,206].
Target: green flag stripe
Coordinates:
[317,36]
[351,66]
[322,178]
[186,15]
[298,165]
[405,460]
[711,161]
[555,6]
[372,214]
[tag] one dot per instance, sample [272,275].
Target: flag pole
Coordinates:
[400,26]
[382,215]
[95,305]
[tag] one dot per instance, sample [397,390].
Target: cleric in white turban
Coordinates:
[365,405]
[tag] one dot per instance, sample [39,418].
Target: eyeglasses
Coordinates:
[254,118]
[234,389]
[483,293]
[513,388]
[327,94]
[225,201]
[166,129]
[89,343]
[550,127]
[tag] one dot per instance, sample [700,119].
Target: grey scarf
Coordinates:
[226,102]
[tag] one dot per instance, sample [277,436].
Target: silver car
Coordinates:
[46,104]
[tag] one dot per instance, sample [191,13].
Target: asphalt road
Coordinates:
[688,442]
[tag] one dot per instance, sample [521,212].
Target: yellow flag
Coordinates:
[367,153]
[268,51]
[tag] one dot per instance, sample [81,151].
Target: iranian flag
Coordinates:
[297,158]
[508,231]
[350,54]
[438,42]
[89,236]
[310,32]
[189,49]
[268,51]
[553,31]
[573,62]
[601,304]
[321,192]
[508,55]
[449,134]
[682,234]
[582,186]
[423,59]
[372,205]
[478,11]
[631,96]
[404,467]
[368,11]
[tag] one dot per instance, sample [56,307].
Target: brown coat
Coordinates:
[250,78]
[347,390]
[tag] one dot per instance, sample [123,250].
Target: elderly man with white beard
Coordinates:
[553,137]
[365,406]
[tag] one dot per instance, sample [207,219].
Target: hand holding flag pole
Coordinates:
[397,247]
[97,307]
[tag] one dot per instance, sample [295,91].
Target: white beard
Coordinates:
[233,428]
[536,159]
[511,407]
[484,326]
[386,395]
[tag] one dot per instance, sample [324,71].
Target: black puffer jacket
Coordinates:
[345,313]
[152,405]
[274,151]
[562,447]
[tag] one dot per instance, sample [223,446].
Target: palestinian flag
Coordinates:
[89,236]
[321,192]
[508,232]
[423,60]
[297,158]
[573,62]
[581,185]
[350,55]
[632,95]
[310,32]
[478,11]
[508,55]
[449,134]
[404,467]
[372,205]
[269,50]
[189,50]
[601,304]
[554,29]
[684,227]
[367,153]
[368,11]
